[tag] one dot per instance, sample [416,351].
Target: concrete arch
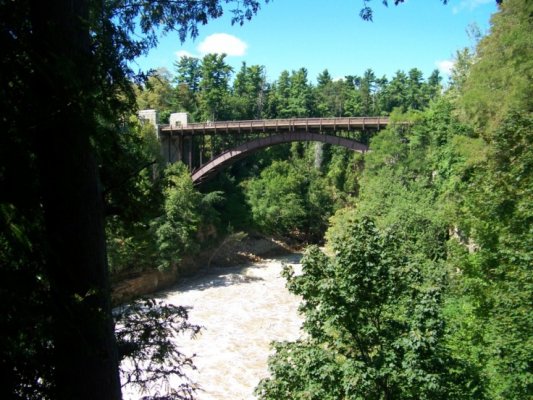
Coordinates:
[239,152]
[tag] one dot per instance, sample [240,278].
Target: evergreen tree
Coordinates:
[214,87]
[188,72]
[280,94]
[249,91]
[187,79]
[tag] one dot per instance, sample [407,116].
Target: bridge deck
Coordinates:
[280,125]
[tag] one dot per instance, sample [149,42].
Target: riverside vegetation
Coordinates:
[427,292]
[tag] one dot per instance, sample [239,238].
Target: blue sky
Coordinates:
[320,34]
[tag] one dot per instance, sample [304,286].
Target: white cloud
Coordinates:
[223,43]
[184,53]
[469,5]
[445,66]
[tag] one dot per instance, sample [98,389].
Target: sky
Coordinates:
[329,34]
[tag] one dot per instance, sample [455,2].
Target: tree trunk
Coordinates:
[86,361]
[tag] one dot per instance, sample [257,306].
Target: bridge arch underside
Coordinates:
[227,158]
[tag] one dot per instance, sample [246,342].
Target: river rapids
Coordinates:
[242,310]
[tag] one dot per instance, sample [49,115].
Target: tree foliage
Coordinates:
[147,337]
[374,325]
[497,216]
[180,221]
[293,198]
[499,80]
[66,92]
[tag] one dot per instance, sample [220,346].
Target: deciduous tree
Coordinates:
[374,325]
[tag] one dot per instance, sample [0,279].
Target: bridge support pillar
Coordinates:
[179,148]
[189,158]
[172,148]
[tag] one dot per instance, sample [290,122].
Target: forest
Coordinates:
[422,285]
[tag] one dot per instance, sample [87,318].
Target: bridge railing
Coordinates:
[287,124]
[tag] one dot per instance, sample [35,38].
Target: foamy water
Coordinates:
[242,310]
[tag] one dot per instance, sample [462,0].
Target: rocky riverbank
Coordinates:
[127,287]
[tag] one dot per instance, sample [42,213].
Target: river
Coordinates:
[242,310]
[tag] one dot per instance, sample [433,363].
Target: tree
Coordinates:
[60,105]
[461,68]
[64,75]
[498,80]
[396,92]
[276,199]
[414,89]
[374,325]
[291,95]
[290,200]
[188,75]
[300,95]
[132,194]
[188,72]
[214,86]
[497,217]
[280,96]
[249,92]
[495,96]
[176,228]
[146,333]
[367,90]
[327,96]
[157,93]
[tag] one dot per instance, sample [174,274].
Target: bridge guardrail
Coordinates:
[290,124]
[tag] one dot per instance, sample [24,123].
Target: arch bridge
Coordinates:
[208,147]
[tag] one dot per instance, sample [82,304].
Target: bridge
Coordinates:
[209,147]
